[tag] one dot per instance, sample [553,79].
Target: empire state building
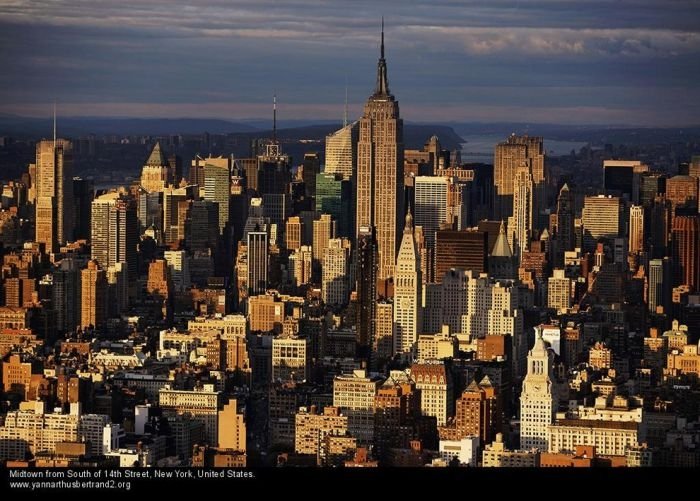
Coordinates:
[380,183]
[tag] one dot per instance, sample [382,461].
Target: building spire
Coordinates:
[382,82]
[408,227]
[382,47]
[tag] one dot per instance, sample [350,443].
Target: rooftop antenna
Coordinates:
[382,48]
[54,125]
[274,119]
[345,114]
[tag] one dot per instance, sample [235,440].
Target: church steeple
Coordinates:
[382,81]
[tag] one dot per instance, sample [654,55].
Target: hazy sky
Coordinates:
[556,61]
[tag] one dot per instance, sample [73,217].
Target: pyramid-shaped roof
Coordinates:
[473,386]
[501,247]
[539,345]
[157,158]
[486,382]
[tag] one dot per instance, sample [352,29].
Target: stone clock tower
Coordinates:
[536,399]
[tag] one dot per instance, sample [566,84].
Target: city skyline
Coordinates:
[366,296]
[542,61]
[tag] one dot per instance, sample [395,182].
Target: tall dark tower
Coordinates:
[84,193]
[312,167]
[565,222]
[380,200]
[685,244]
[366,291]
[274,174]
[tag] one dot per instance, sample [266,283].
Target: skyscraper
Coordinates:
[294,231]
[622,177]
[300,265]
[312,167]
[324,230]
[99,235]
[160,286]
[682,192]
[334,197]
[257,262]
[93,297]
[366,287]
[117,289]
[659,285]
[380,201]
[155,172]
[341,151]
[636,231]
[84,192]
[179,269]
[217,186]
[601,220]
[199,220]
[114,231]
[565,220]
[559,291]
[514,152]
[477,411]
[651,185]
[174,169]
[465,250]
[437,201]
[197,171]
[172,228]
[123,235]
[335,283]
[341,160]
[277,207]
[501,263]
[694,167]
[536,399]
[65,294]
[150,213]
[685,244]
[54,193]
[430,204]
[408,311]
[273,174]
[520,224]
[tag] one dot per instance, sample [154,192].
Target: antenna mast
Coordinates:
[274,119]
[382,48]
[54,125]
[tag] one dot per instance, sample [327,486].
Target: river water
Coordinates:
[480,148]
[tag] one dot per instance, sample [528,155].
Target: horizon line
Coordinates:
[321,120]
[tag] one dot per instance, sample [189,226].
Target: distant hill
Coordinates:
[415,135]
[595,134]
[71,127]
